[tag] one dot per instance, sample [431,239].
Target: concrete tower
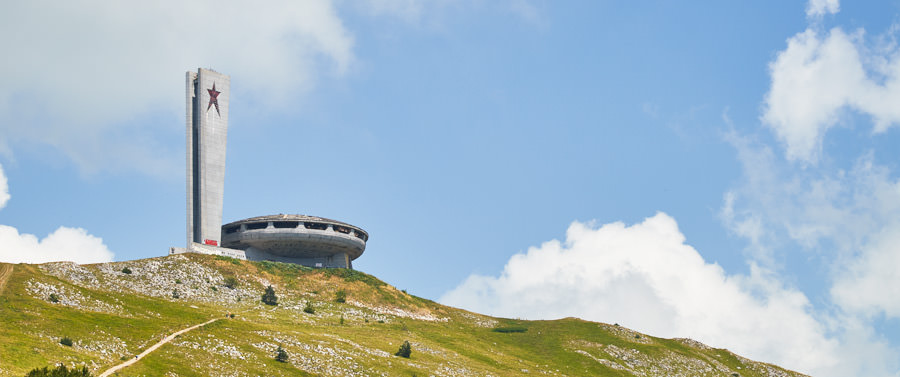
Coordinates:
[207,131]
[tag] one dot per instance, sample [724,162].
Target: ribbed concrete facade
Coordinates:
[207,94]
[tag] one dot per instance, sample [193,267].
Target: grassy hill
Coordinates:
[111,315]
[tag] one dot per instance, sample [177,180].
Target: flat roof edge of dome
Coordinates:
[293,217]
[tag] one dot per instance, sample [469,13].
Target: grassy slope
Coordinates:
[111,315]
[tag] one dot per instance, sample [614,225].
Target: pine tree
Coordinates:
[405,350]
[281,355]
[269,297]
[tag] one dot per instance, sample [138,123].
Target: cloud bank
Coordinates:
[646,277]
[64,244]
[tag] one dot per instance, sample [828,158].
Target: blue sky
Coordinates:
[725,171]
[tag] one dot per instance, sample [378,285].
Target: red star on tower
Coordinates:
[213,99]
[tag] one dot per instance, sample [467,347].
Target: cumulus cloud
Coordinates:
[64,244]
[818,8]
[819,76]
[86,75]
[646,277]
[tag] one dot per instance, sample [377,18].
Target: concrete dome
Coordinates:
[308,240]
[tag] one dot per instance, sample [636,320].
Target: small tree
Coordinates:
[405,350]
[54,297]
[309,308]
[230,282]
[175,293]
[66,341]
[281,355]
[126,271]
[269,297]
[340,296]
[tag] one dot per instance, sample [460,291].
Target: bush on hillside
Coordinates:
[281,355]
[234,261]
[405,350]
[126,271]
[59,371]
[340,296]
[309,308]
[269,297]
[230,282]
[66,341]
[54,297]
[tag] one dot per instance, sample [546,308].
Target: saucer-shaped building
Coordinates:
[307,240]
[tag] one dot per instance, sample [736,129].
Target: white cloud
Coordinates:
[4,189]
[64,244]
[83,76]
[645,277]
[870,284]
[849,217]
[846,220]
[817,77]
[818,8]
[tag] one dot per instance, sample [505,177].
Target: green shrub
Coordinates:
[281,355]
[230,282]
[340,296]
[175,293]
[342,320]
[269,297]
[54,297]
[66,341]
[228,259]
[177,281]
[509,329]
[353,275]
[405,350]
[59,371]
[309,308]
[126,271]
[214,288]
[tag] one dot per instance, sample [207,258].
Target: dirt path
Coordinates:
[5,272]
[152,348]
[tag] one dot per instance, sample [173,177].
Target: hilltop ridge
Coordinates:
[113,311]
